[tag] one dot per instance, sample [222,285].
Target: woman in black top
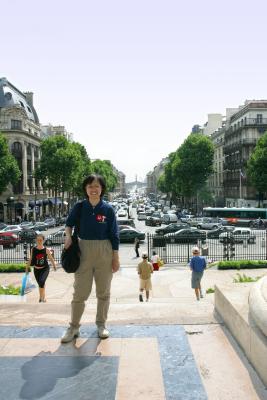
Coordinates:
[38,260]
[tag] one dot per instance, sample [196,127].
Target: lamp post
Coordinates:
[33,189]
[10,205]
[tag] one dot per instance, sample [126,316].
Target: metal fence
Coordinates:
[229,248]
[21,253]
[253,247]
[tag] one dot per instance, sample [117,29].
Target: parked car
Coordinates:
[171,228]
[169,218]
[186,217]
[50,222]
[61,220]
[126,221]
[26,224]
[9,239]
[2,225]
[141,216]
[56,238]
[208,223]
[40,226]
[185,236]
[153,221]
[238,235]
[12,228]
[215,233]
[122,213]
[28,235]
[129,235]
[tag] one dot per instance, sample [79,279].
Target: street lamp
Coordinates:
[10,205]
[33,188]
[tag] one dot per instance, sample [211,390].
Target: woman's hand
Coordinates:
[115,265]
[68,242]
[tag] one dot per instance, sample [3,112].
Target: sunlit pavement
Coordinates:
[172,347]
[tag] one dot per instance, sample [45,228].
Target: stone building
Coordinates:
[19,123]
[153,176]
[245,128]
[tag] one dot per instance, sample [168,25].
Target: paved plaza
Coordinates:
[172,347]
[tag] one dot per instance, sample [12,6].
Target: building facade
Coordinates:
[245,128]
[20,125]
[153,176]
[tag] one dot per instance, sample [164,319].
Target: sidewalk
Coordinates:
[173,347]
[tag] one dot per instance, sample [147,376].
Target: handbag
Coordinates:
[70,257]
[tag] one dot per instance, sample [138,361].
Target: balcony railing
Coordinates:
[247,122]
[229,148]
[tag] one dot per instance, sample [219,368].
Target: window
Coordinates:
[259,118]
[16,124]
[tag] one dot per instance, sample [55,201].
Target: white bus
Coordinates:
[237,216]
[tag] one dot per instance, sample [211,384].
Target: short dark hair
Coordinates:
[89,179]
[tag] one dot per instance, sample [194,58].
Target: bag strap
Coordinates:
[78,219]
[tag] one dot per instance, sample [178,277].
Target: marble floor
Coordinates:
[135,363]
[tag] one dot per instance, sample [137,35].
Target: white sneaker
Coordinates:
[70,334]
[103,333]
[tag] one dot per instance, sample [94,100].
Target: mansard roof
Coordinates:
[10,96]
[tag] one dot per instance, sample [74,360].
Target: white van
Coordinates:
[169,218]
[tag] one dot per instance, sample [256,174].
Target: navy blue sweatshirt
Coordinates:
[96,223]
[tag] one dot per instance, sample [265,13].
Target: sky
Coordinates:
[129,78]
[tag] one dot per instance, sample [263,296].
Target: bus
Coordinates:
[237,216]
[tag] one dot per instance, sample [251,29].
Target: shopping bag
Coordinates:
[29,285]
[23,284]
[160,262]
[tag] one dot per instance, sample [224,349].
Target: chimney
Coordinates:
[29,97]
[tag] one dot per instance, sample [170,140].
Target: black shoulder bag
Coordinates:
[70,257]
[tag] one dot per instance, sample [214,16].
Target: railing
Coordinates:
[251,247]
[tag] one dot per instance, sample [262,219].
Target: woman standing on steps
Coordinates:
[38,260]
[99,245]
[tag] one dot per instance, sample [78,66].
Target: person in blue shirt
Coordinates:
[197,266]
[99,245]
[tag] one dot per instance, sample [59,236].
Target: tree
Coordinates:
[104,168]
[257,165]
[60,165]
[189,166]
[194,163]
[9,169]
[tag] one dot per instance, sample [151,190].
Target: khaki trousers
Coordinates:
[96,263]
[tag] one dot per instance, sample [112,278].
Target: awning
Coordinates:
[54,201]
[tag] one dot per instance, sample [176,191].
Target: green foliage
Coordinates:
[161,184]
[10,289]
[12,267]
[244,279]
[60,165]
[189,167]
[257,165]
[210,290]
[242,264]
[104,168]
[9,170]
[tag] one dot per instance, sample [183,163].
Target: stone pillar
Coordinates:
[24,168]
[32,169]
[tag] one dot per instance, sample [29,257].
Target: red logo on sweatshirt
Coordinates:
[100,218]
